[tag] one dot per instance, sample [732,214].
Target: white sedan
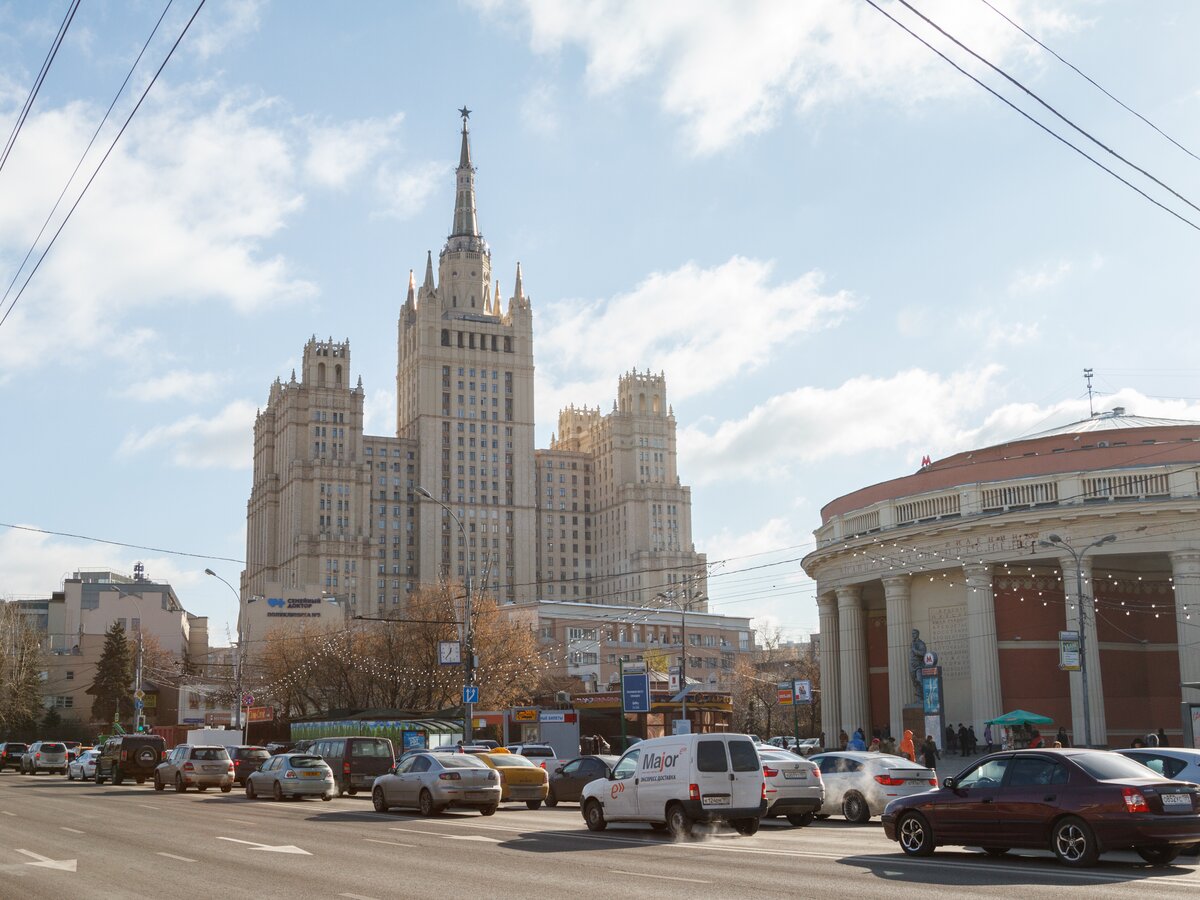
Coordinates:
[83,766]
[859,784]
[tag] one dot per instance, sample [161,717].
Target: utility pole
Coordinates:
[239,653]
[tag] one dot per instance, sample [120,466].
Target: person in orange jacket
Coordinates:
[907,750]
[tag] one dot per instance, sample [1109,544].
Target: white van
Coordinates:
[673,782]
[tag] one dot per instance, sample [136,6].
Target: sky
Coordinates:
[843,253]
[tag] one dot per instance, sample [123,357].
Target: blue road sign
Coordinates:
[635,693]
[471,693]
[137,704]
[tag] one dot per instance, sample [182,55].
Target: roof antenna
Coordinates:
[1087,374]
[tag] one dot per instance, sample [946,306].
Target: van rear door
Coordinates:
[368,758]
[712,774]
[746,779]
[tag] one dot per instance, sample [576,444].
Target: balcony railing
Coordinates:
[1155,483]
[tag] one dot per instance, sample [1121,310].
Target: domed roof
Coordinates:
[1111,420]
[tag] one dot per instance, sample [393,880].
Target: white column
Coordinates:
[1185,572]
[853,660]
[897,591]
[831,711]
[986,700]
[1095,681]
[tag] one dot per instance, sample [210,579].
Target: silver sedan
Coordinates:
[292,775]
[431,782]
[83,766]
[859,784]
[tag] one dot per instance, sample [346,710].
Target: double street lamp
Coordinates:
[469,648]
[1057,542]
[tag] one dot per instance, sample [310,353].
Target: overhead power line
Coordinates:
[100,165]
[1050,131]
[37,83]
[83,156]
[1088,79]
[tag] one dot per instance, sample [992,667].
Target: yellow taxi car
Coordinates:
[520,778]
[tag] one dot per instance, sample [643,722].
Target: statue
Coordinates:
[916,659]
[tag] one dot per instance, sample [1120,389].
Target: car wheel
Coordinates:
[533,804]
[378,801]
[551,799]
[226,788]
[855,809]
[1073,843]
[746,827]
[277,792]
[351,791]
[117,777]
[801,820]
[1159,856]
[488,810]
[202,788]
[327,797]
[995,851]
[158,785]
[250,795]
[141,780]
[426,805]
[915,835]
[99,778]
[679,823]
[180,787]
[593,815]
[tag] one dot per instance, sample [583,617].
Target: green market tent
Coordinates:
[1020,717]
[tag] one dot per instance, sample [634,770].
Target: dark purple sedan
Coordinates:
[1077,803]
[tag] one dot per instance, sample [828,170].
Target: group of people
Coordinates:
[1153,739]
[964,741]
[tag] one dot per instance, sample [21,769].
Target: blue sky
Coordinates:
[842,253]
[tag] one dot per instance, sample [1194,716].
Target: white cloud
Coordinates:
[404,192]
[225,440]
[918,411]
[174,385]
[731,69]
[666,323]
[220,24]
[340,152]
[1032,281]
[990,329]
[379,411]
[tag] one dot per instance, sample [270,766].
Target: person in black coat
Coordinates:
[964,740]
[1061,737]
[929,752]
[951,739]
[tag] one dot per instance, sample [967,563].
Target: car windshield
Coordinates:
[461,761]
[254,754]
[1104,766]
[210,753]
[53,748]
[510,759]
[537,751]
[307,762]
[15,748]
[369,748]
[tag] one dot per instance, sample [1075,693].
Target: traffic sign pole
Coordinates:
[621,681]
[795,716]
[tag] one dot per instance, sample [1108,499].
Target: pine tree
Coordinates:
[112,687]
[51,722]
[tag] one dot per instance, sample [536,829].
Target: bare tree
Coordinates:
[20,673]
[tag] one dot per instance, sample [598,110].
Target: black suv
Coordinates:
[130,756]
[10,755]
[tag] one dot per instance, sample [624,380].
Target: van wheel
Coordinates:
[594,816]
[551,799]
[679,823]
[745,826]
[378,801]
[801,820]
[427,806]
[855,809]
[533,804]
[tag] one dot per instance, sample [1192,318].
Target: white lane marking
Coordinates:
[7,813]
[147,805]
[255,845]
[72,830]
[663,877]
[241,821]
[45,862]
[356,896]
[173,856]
[451,837]
[389,843]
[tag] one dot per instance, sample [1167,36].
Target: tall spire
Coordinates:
[464,235]
[412,286]
[428,271]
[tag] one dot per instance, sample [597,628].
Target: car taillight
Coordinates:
[764,790]
[769,772]
[188,767]
[693,792]
[1134,801]
[346,768]
[230,769]
[543,766]
[450,776]
[933,781]
[37,755]
[817,772]
[289,774]
[889,780]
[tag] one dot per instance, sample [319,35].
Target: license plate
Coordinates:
[477,795]
[1177,801]
[312,774]
[714,801]
[794,775]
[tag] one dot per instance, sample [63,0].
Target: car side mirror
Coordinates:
[558,770]
[392,770]
[949,783]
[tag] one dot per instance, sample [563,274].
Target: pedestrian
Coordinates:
[874,745]
[1035,740]
[1061,737]
[951,739]
[987,736]
[1152,740]
[822,740]
[843,739]
[963,746]
[929,752]
[858,742]
[1162,737]
[907,750]
[972,739]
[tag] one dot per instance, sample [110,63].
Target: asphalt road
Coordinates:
[67,839]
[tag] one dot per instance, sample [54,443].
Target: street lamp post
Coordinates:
[1057,542]
[469,648]
[683,608]
[238,660]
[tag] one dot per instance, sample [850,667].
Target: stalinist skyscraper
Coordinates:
[336,513]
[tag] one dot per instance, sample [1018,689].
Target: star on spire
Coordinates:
[465,113]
